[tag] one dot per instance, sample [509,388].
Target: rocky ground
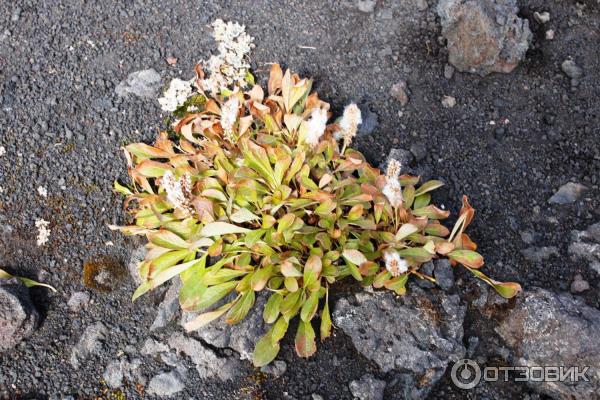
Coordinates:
[524,146]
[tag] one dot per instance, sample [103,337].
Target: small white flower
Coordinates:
[178,190]
[178,92]
[2,151]
[393,191]
[42,191]
[229,113]
[43,231]
[316,126]
[349,122]
[393,169]
[394,263]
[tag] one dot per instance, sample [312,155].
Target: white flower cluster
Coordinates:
[349,123]
[392,189]
[229,113]
[316,126]
[178,92]
[230,66]
[178,191]
[43,231]
[394,263]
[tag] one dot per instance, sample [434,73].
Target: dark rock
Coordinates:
[277,368]
[18,316]
[417,335]
[169,307]
[552,329]
[585,245]
[419,150]
[538,254]
[405,158]
[367,388]
[444,274]
[484,36]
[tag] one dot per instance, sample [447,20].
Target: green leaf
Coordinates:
[271,310]
[265,351]
[354,256]
[241,308]
[210,295]
[222,275]
[418,254]
[305,340]
[398,284]
[122,189]
[325,322]
[422,201]
[312,270]
[144,151]
[261,277]
[468,258]
[163,276]
[168,240]
[221,228]
[206,318]
[26,281]
[309,308]
[289,305]
[504,289]
[428,187]
[406,230]
[431,211]
[279,329]
[243,215]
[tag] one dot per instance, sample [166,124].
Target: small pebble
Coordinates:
[542,17]
[398,92]
[579,284]
[448,101]
[550,34]
[571,69]
[448,71]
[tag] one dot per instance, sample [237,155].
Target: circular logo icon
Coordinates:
[465,374]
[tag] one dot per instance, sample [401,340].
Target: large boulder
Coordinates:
[18,316]
[549,329]
[484,36]
[417,334]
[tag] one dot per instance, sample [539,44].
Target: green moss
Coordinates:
[103,273]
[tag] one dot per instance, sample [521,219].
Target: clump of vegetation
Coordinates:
[103,273]
[266,183]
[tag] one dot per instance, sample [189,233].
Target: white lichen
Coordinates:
[316,126]
[230,67]
[178,191]
[229,113]
[42,191]
[395,264]
[43,231]
[177,93]
[349,123]
[392,189]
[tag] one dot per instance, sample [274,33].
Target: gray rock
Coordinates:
[552,329]
[152,347]
[399,92]
[208,364]
[113,374]
[571,69]
[166,384]
[370,121]
[90,343]
[366,6]
[539,254]
[137,256]
[568,193]
[78,301]
[422,5]
[277,368]
[426,269]
[18,316]
[585,245]
[405,158]
[448,71]
[579,284]
[240,337]
[367,388]
[444,274]
[541,17]
[419,150]
[417,334]
[143,84]
[484,36]
[169,307]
